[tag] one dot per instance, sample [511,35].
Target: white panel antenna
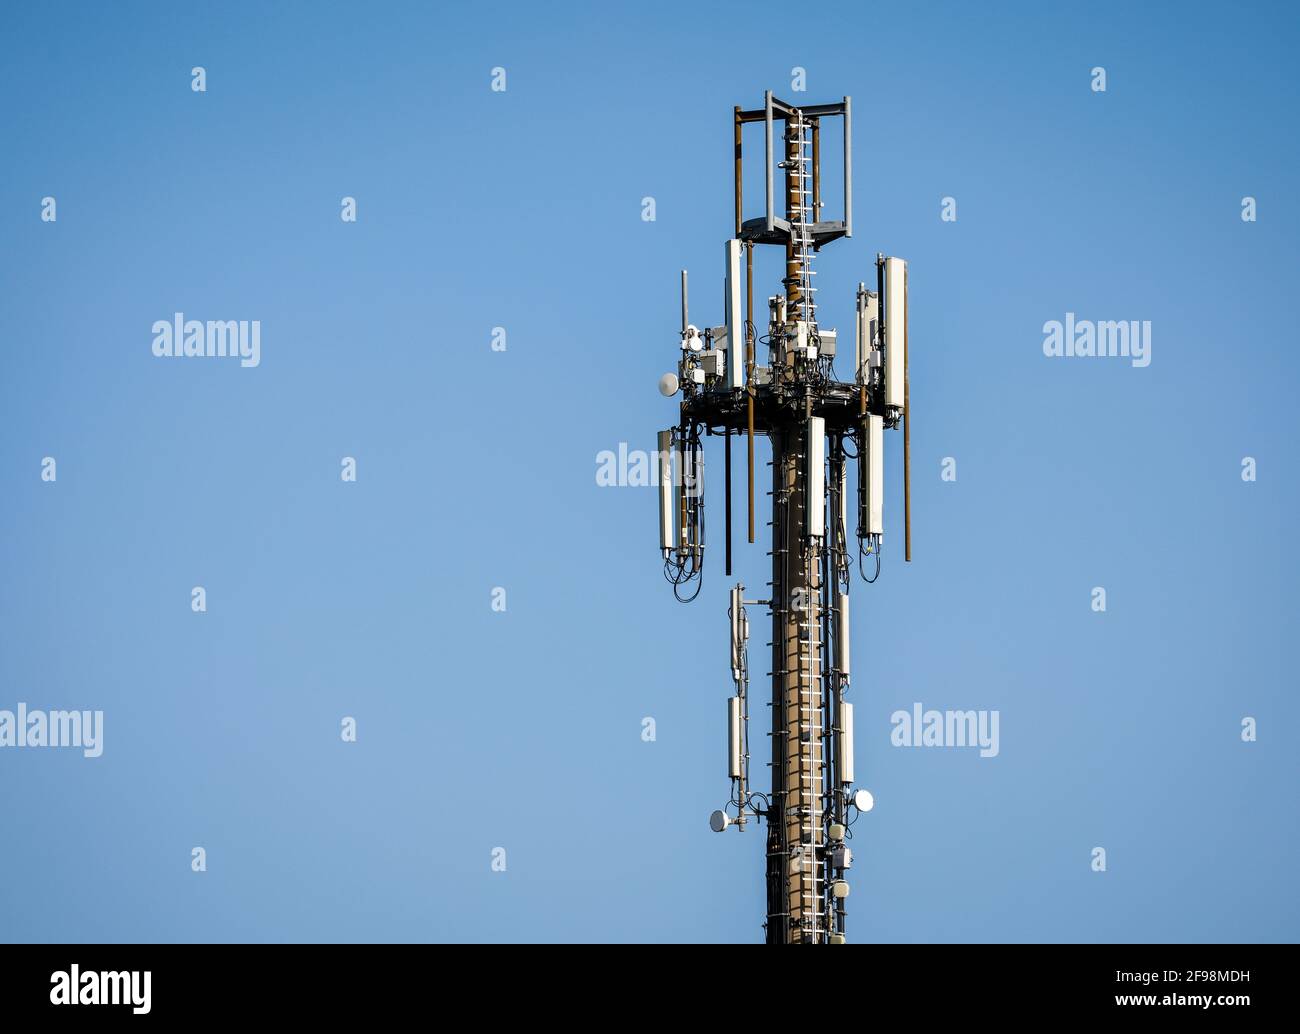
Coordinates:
[895,331]
[666,541]
[735,317]
[816,477]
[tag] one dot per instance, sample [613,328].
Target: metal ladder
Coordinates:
[801,225]
[811,757]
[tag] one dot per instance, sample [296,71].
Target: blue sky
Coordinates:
[522,209]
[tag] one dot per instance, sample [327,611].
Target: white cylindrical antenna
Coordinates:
[871,477]
[857,334]
[735,318]
[815,476]
[871,321]
[895,330]
[666,542]
[844,748]
[685,315]
[737,647]
[733,737]
[842,634]
[844,496]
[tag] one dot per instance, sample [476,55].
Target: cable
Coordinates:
[698,578]
[865,552]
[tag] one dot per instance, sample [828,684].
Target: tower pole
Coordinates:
[809,413]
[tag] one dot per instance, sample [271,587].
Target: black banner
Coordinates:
[166,983]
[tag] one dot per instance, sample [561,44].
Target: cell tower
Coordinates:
[816,424]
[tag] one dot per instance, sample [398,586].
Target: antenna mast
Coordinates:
[809,417]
